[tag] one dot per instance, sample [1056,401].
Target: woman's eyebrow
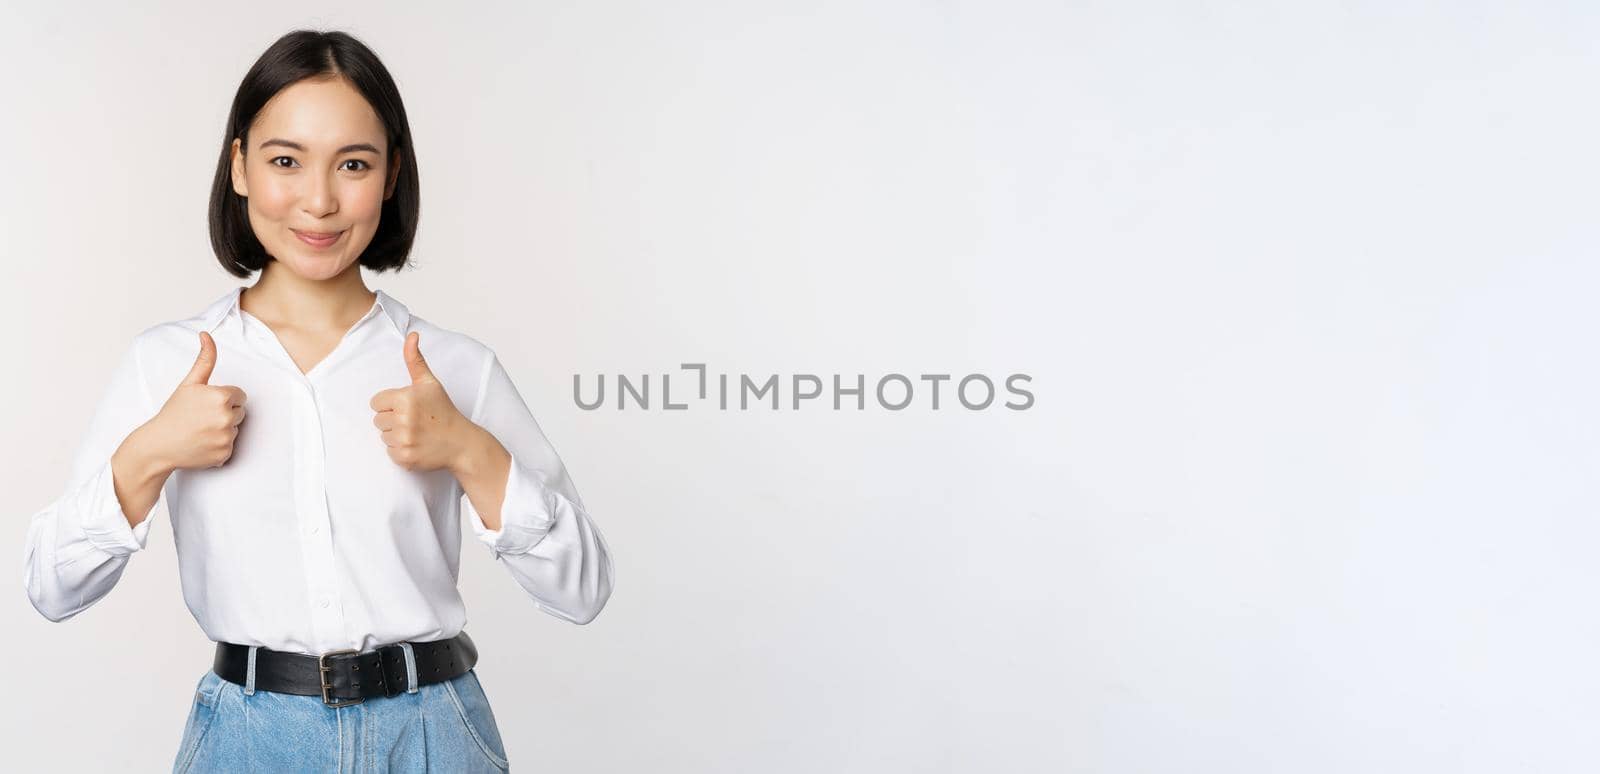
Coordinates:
[360,146]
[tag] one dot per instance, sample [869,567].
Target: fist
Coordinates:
[420,425]
[199,422]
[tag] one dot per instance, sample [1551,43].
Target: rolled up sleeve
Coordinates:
[78,546]
[546,540]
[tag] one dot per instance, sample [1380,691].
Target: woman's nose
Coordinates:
[319,197]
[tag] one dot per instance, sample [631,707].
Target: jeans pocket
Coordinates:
[202,709]
[466,693]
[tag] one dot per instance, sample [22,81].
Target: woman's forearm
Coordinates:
[138,473]
[482,469]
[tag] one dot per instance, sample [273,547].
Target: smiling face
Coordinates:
[314,177]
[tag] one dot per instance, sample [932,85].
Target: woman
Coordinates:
[313,460]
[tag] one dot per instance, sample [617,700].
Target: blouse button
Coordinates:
[325,602]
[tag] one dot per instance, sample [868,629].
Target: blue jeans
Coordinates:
[445,726]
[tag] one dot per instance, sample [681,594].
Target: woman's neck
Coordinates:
[282,297]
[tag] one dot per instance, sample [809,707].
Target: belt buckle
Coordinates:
[323,669]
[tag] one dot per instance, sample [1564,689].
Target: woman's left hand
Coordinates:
[421,426]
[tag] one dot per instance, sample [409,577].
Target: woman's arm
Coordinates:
[511,478]
[78,546]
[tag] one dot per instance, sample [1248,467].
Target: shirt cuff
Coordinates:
[102,518]
[526,514]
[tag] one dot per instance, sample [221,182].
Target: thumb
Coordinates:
[204,362]
[414,362]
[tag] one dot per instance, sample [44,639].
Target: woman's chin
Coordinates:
[316,267]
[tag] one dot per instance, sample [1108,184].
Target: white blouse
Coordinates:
[310,538]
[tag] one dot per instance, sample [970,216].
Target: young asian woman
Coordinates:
[316,443]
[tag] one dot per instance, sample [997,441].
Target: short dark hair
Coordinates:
[295,57]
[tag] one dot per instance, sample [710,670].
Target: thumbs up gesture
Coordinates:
[421,426]
[197,426]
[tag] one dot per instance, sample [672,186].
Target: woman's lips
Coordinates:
[316,239]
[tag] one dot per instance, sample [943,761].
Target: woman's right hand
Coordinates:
[199,422]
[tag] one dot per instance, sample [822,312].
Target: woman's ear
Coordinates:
[238,170]
[394,175]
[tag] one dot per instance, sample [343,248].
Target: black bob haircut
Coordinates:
[295,57]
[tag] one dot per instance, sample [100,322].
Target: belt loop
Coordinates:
[250,673]
[411,668]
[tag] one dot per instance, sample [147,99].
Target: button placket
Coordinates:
[311,505]
[310,482]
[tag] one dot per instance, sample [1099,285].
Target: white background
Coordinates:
[1306,291]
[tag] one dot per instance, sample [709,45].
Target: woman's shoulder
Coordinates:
[447,346]
[433,339]
[183,331]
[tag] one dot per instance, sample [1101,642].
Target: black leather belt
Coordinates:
[346,677]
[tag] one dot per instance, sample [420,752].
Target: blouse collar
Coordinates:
[226,306]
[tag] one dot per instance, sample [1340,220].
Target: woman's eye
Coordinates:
[364,166]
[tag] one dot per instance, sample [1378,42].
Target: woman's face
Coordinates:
[314,176]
